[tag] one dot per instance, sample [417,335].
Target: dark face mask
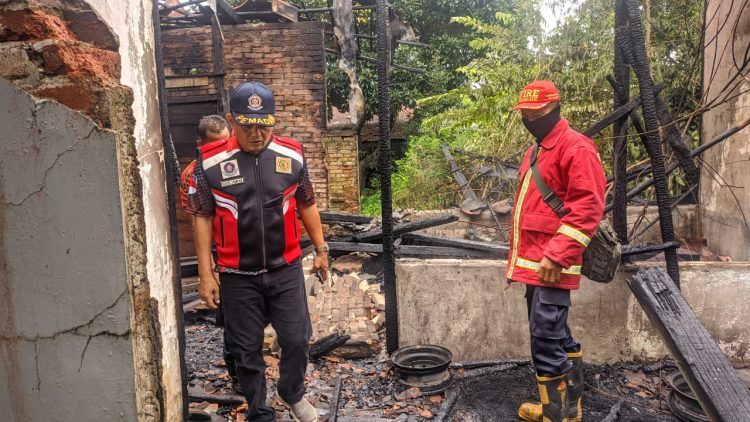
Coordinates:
[543,125]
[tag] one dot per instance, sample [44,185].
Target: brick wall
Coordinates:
[288,57]
[342,158]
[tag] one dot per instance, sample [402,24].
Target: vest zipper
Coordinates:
[259,195]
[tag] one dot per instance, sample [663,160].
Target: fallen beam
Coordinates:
[612,117]
[194,395]
[333,415]
[228,13]
[376,235]
[716,384]
[411,250]
[432,240]
[471,204]
[327,344]
[339,217]
[648,249]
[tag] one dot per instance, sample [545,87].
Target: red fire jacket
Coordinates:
[570,165]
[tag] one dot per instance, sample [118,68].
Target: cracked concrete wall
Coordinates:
[725,175]
[65,333]
[97,57]
[461,305]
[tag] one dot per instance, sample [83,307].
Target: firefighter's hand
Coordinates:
[209,290]
[320,264]
[549,271]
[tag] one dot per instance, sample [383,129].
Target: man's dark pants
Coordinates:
[551,338]
[248,301]
[228,358]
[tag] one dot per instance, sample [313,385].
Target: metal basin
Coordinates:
[682,401]
[423,366]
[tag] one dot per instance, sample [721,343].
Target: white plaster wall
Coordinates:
[725,176]
[131,20]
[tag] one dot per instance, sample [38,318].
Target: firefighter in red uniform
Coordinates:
[547,246]
[245,193]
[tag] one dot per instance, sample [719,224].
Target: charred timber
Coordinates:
[696,152]
[327,344]
[432,240]
[621,83]
[415,251]
[646,250]
[713,380]
[337,217]
[400,229]
[636,55]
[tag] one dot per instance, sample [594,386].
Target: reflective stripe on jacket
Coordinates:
[570,165]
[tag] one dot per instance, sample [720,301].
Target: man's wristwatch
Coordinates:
[322,248]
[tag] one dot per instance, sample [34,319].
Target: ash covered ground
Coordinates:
[371,390]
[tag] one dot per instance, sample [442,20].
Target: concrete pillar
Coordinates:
[725,176]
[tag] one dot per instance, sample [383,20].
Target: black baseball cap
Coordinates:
[252,103]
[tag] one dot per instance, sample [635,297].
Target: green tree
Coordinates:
[577,55]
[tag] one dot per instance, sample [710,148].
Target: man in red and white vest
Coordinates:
[245,194]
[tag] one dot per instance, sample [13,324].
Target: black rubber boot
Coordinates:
[575,387]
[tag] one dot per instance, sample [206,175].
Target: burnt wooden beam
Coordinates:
[164,8]
[648,249]
[196,75]
[715,383]
[696,152]
[376,235]
[616,115]
[224,10]
[337,217]
[432,240]
[675,140]
[327,344]
[217,42]
[612,117]
[333,413]
[196,395]
[192,99]
[471,203]
[411,250]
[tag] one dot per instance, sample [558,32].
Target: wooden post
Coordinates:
[218,60]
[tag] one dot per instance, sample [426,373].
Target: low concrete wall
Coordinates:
[461,305]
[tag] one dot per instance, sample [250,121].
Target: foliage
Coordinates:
[577,55]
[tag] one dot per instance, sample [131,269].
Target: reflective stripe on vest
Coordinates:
[533,265]
[575,234]
[516,220]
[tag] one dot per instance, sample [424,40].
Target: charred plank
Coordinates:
[715,383]
[646,250]
[338,217]
[432,240]
[376,235]
[412,250]
[327,344]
